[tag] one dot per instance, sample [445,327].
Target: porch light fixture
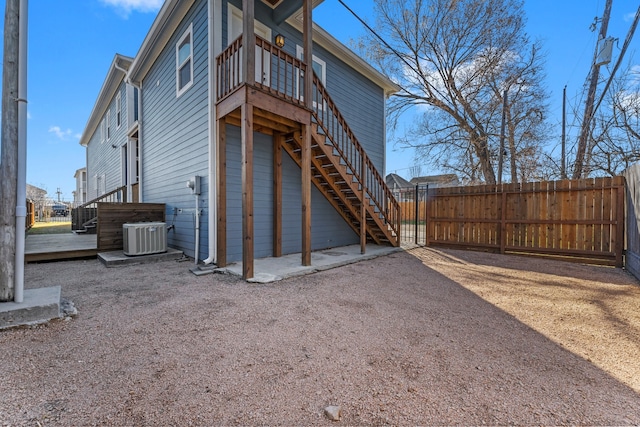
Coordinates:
[280,40]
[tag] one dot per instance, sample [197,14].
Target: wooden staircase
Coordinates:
[343,173]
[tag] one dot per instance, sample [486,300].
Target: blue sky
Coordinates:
[72,44]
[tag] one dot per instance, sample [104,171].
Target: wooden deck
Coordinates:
[56,247]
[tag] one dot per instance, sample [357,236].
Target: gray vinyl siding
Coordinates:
[328,229]
[262,191]
[103,159]
[175,137]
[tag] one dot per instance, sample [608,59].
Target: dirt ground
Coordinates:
[426,337]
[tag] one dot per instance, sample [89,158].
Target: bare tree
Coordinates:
[614,139]
[452,60]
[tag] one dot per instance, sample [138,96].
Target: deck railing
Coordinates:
[276,71]
[88,211]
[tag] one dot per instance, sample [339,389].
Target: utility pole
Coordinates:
[563,166]
[58,192]
[9,154]
[578,166]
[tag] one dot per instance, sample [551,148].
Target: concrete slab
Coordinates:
[119,259]
[271,269]
[38,306]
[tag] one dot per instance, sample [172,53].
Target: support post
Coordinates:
[278,140]
[363,208]
[247,190]
[248,42]
[308,53]
[221,199]
[306,195]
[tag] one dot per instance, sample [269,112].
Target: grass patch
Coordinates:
[50,228]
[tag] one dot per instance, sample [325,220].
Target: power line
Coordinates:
[384,42]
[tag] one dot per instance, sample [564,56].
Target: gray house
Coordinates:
[255,152]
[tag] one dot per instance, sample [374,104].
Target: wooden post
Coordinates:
[277,194]
[247,190]
[308,53]
[221,202]
[248,42]
[306,194]
[9,156]
[363,209]
[306,137]
[503,223]
[620,229]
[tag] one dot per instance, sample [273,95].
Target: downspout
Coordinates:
[21,188]
[127,165]
[214,46]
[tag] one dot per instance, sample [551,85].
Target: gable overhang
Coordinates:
[327,41]
[284,9]
[165,24]
[115,76]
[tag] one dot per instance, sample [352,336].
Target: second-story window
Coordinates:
[118,110]
[184,61]
[108,120]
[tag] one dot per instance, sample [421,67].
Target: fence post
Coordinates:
[503,225]
[415,218]
[427,205]
[620,220]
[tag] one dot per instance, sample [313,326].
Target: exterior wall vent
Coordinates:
[144,238]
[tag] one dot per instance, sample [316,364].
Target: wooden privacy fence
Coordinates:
[579,219]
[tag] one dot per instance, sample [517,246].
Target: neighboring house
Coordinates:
[111,136]
[80,194]
[436,181]
[396,183]
[233,150]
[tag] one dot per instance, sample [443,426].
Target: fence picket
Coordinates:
[577,219]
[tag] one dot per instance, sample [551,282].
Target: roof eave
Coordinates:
[165,24]
[333,45]
[109,87]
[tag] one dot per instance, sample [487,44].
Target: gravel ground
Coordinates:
[425,337]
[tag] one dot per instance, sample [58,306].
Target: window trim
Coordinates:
[179,66]
[102,131]
[108,125]
[323,76]
[118,110]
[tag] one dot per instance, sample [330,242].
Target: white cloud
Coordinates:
[61,134]
[128,6]
[629,16]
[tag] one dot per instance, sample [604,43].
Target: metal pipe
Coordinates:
[212,214]
[21,189]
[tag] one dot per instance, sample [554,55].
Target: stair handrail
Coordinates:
[344,141]
[78,214]
[108,195]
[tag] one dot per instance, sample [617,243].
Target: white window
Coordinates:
[108,125]
[184,61]
[102,131]
[319,67]
[118,110]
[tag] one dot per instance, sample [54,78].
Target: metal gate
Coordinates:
[413,206]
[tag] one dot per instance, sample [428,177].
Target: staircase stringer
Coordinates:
[382,206]
[351,216]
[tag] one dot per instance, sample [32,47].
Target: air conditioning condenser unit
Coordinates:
[144,238]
